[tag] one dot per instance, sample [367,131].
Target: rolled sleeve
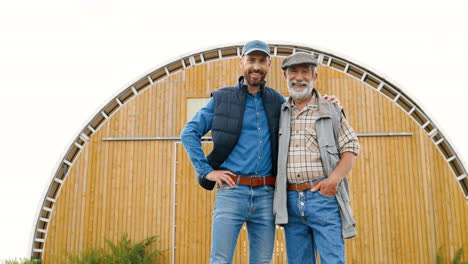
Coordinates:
[347,138]
[191,136]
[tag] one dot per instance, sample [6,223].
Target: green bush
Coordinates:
[123,252]
[22,261]
[456,259]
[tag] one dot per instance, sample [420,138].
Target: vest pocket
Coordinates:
[333,153]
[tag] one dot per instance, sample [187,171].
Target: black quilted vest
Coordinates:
[229,106]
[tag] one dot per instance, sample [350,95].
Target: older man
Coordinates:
[317,149]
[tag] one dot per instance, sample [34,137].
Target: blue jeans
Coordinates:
[234,206]
[314,225]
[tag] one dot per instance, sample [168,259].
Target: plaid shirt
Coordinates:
[304,162]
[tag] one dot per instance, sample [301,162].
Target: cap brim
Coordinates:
[252,50]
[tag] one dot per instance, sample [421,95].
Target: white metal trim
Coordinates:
[78,145]
[363,77]
[84,137]
[58,180]
[320,58]
[104,115]
[68,163]
[426,124]
[461,177]
[150,80]
[380,86]
[346,69]
[430,134]
[135,92]
[43,219]
[439,141]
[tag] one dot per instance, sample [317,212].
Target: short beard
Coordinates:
[247,79]
[302,94]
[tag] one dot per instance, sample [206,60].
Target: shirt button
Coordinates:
[258,128]
[261,142]
[302,203]
[297,145]
[259,157]
[298,175]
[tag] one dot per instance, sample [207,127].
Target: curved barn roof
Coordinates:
[370,78]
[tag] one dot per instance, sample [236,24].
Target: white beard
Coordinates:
[300,93]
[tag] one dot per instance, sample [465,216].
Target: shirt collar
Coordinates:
[323,105]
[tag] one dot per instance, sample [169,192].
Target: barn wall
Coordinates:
[406,201]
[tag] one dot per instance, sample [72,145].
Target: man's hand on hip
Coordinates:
[220,176]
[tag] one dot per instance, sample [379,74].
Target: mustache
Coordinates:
[256,71]
[293,82]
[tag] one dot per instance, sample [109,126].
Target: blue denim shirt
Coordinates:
[252,153]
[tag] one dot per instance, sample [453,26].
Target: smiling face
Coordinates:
[300,80]
[255,66]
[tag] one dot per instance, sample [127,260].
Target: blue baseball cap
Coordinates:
[255,45]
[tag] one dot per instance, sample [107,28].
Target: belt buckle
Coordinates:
[256,181]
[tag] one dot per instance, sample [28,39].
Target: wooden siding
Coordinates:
[407,203]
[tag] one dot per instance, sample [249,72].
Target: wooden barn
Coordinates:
[127,171]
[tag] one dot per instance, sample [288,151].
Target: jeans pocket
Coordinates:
[325,196]
[269,188]
[226,187]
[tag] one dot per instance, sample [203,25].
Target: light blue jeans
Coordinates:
[234,206]
[314,225]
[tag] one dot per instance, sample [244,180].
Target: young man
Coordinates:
[243,120]
[317,149]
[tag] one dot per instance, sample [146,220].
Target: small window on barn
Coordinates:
[194,104]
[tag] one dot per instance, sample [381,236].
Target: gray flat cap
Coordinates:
[299,58]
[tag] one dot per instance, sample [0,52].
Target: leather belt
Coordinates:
[254,181]
[302,186]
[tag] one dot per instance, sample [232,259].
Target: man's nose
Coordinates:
[256,65]
[299,76]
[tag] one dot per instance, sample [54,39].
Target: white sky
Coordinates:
[61,61]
